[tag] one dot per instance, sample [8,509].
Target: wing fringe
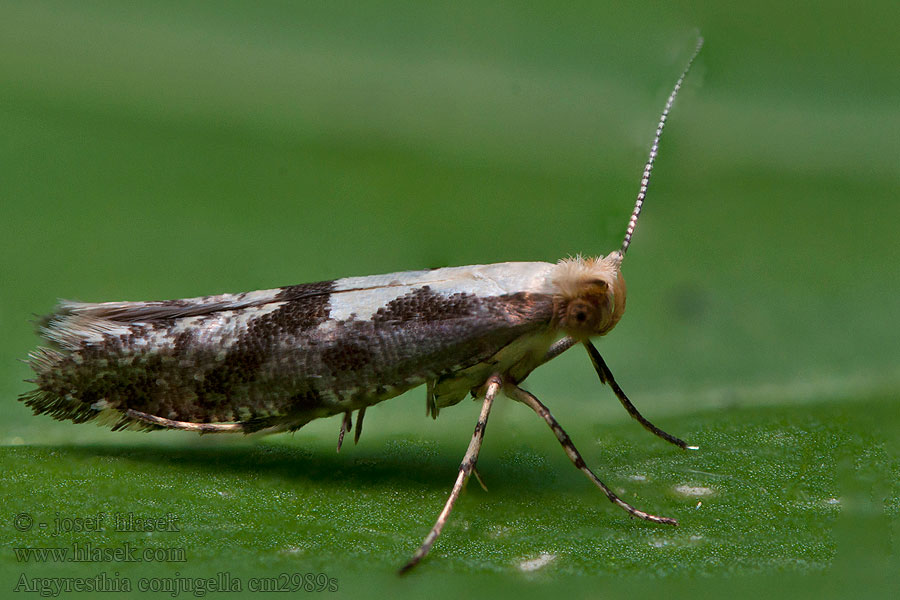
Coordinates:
[69,409]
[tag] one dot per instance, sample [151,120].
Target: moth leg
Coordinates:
[557,348]
[430,403]
[478,478]
[358,431]
[465,469]
[606,377]
[346,425]
[169,423]
[517,393]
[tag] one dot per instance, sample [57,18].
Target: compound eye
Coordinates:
[580,314]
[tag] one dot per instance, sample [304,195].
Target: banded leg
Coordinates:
[606,377]
[465,469]
[558,347]
[517,393]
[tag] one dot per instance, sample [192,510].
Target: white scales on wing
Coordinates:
[373,292]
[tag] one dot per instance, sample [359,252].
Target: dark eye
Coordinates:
[580,313]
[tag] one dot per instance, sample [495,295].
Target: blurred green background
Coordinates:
[169,149]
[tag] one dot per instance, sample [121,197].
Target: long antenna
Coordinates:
[645,180]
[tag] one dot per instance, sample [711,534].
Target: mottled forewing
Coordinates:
[274,358]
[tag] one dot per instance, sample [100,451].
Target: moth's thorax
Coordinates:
[589,296]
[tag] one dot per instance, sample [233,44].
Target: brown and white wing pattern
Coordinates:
[277,359]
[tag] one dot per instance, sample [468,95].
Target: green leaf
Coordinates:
[164,150]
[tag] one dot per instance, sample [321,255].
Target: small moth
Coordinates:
[274,360]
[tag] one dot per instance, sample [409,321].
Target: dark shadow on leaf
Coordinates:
[408,466]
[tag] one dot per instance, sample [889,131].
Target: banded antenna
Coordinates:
[645,179]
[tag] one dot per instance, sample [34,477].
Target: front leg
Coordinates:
[606,377]
[517,393]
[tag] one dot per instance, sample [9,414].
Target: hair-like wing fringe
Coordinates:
[65,409]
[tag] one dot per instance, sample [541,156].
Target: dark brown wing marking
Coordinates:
[279,369]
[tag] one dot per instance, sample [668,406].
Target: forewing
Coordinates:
[276,357]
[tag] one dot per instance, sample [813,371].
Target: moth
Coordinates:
[274,360]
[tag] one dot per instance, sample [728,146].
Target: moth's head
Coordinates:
[589,294]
